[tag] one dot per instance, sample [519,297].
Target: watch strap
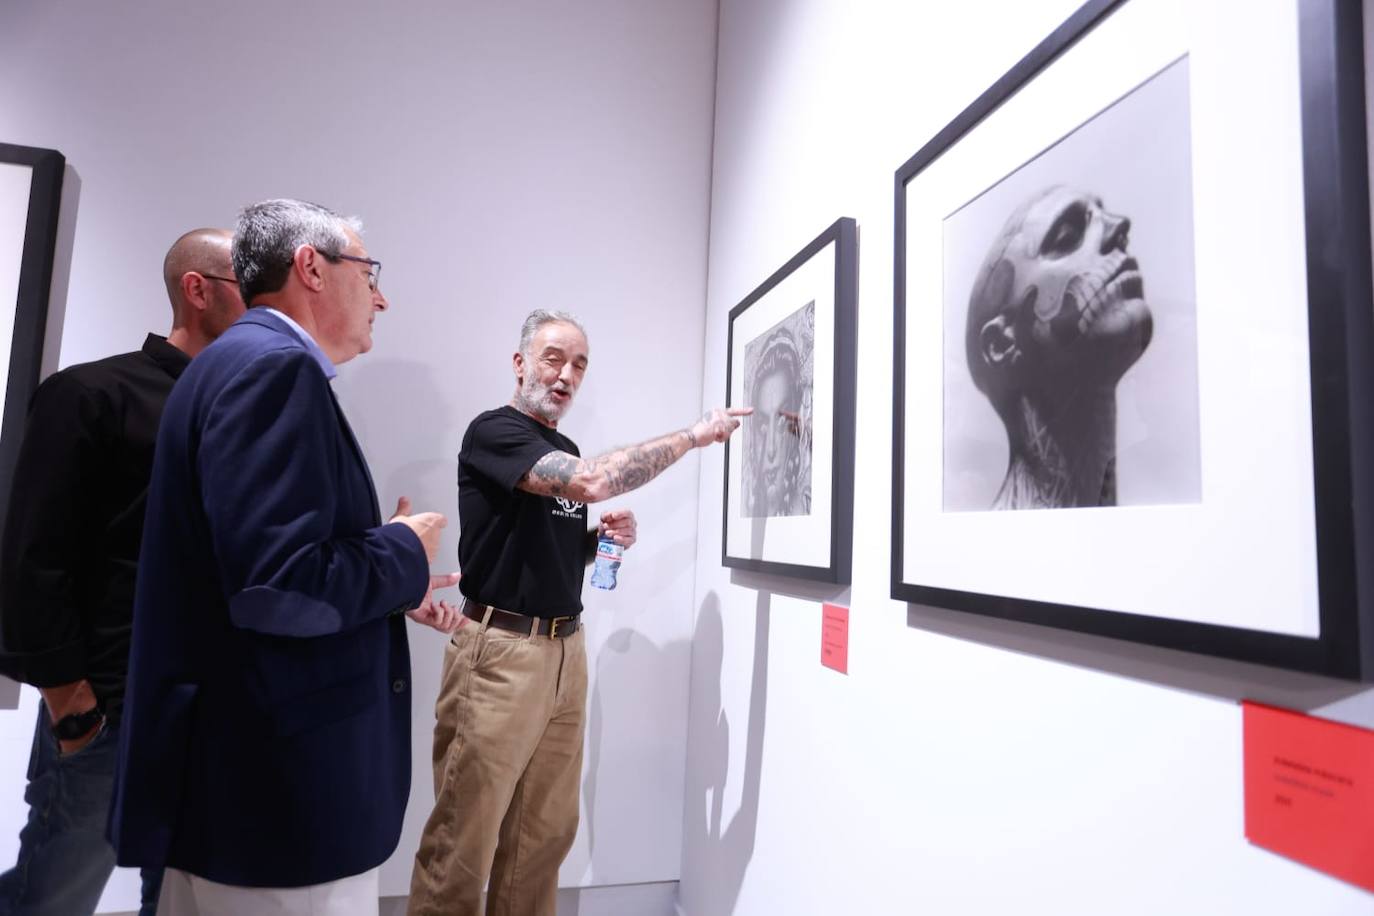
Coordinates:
[71,727]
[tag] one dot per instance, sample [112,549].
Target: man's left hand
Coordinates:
[619,525]
[440,615]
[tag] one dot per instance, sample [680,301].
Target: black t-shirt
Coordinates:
[518,551]
[75,521]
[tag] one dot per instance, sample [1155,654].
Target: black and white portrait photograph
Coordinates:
[788,503]
[1070,341]
[779,370]
[1130,282]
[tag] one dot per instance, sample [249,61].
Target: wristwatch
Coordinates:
[78,724]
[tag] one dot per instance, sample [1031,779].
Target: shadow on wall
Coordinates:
[626,664]
[713,846]
[625,661]
[402,419]
[61,271]
[400,416]
[1217,677]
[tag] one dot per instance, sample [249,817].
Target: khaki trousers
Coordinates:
[507,766]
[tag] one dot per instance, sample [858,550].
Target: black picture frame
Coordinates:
[31,301]
[1334,168]
[843,291]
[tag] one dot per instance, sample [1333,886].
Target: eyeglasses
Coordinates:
[374,270]
[222,279]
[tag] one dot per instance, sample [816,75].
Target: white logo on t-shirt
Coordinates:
[570,508]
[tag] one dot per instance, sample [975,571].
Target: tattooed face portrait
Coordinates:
[1069,316]
[549,372]
[777,436]
[1059,300]
[1056,317]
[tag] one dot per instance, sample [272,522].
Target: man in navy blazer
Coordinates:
[266,739]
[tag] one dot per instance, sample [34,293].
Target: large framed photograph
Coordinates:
[789,471]
[30,195]
[1133,339]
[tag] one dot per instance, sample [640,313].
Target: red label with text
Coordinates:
[1309,791]
[835,637]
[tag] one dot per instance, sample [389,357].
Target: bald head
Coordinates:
[201,285]
[205,251]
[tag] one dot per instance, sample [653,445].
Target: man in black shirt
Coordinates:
[508,741]
[67,566]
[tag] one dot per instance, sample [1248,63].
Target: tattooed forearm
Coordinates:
[606,476]
[631,468]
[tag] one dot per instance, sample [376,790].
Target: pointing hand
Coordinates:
[717,425]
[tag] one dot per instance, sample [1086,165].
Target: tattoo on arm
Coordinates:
[551,475]
[606,476]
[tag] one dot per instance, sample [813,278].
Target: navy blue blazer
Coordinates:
[266,731]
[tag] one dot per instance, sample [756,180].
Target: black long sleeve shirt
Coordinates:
[71,538]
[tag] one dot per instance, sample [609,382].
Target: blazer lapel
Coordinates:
[268,320]
[357,453]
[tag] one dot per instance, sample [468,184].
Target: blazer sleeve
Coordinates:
[269,462]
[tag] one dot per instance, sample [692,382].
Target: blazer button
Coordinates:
[398,686]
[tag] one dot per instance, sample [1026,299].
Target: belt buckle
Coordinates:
[553,625]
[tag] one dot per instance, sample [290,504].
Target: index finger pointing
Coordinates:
[739,411]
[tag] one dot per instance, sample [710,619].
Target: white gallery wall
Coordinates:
[503,156]
[964,765]
[584,156]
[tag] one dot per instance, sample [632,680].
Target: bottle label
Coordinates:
[608,554]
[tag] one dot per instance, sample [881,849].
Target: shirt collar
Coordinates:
[310,345]
[169,358]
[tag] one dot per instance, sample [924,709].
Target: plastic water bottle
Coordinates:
[608,554]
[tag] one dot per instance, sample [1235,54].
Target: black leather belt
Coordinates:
[553,627]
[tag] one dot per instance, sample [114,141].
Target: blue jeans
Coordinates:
[64,857]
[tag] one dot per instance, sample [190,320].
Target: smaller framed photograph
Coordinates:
[30,195]
[789,471]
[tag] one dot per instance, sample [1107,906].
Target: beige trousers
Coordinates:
[507,766]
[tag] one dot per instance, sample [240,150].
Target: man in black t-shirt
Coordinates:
[508,741]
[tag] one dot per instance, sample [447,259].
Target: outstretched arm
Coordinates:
[607,476]
[592,480]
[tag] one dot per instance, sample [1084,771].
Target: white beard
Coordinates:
[537,399]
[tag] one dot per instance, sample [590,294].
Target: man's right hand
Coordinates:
[717,425]
[437,613]
[426,525]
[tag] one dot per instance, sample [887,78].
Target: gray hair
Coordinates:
[268,234]
[540,317]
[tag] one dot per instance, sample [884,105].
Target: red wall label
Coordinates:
[835,637]
[1309,791]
